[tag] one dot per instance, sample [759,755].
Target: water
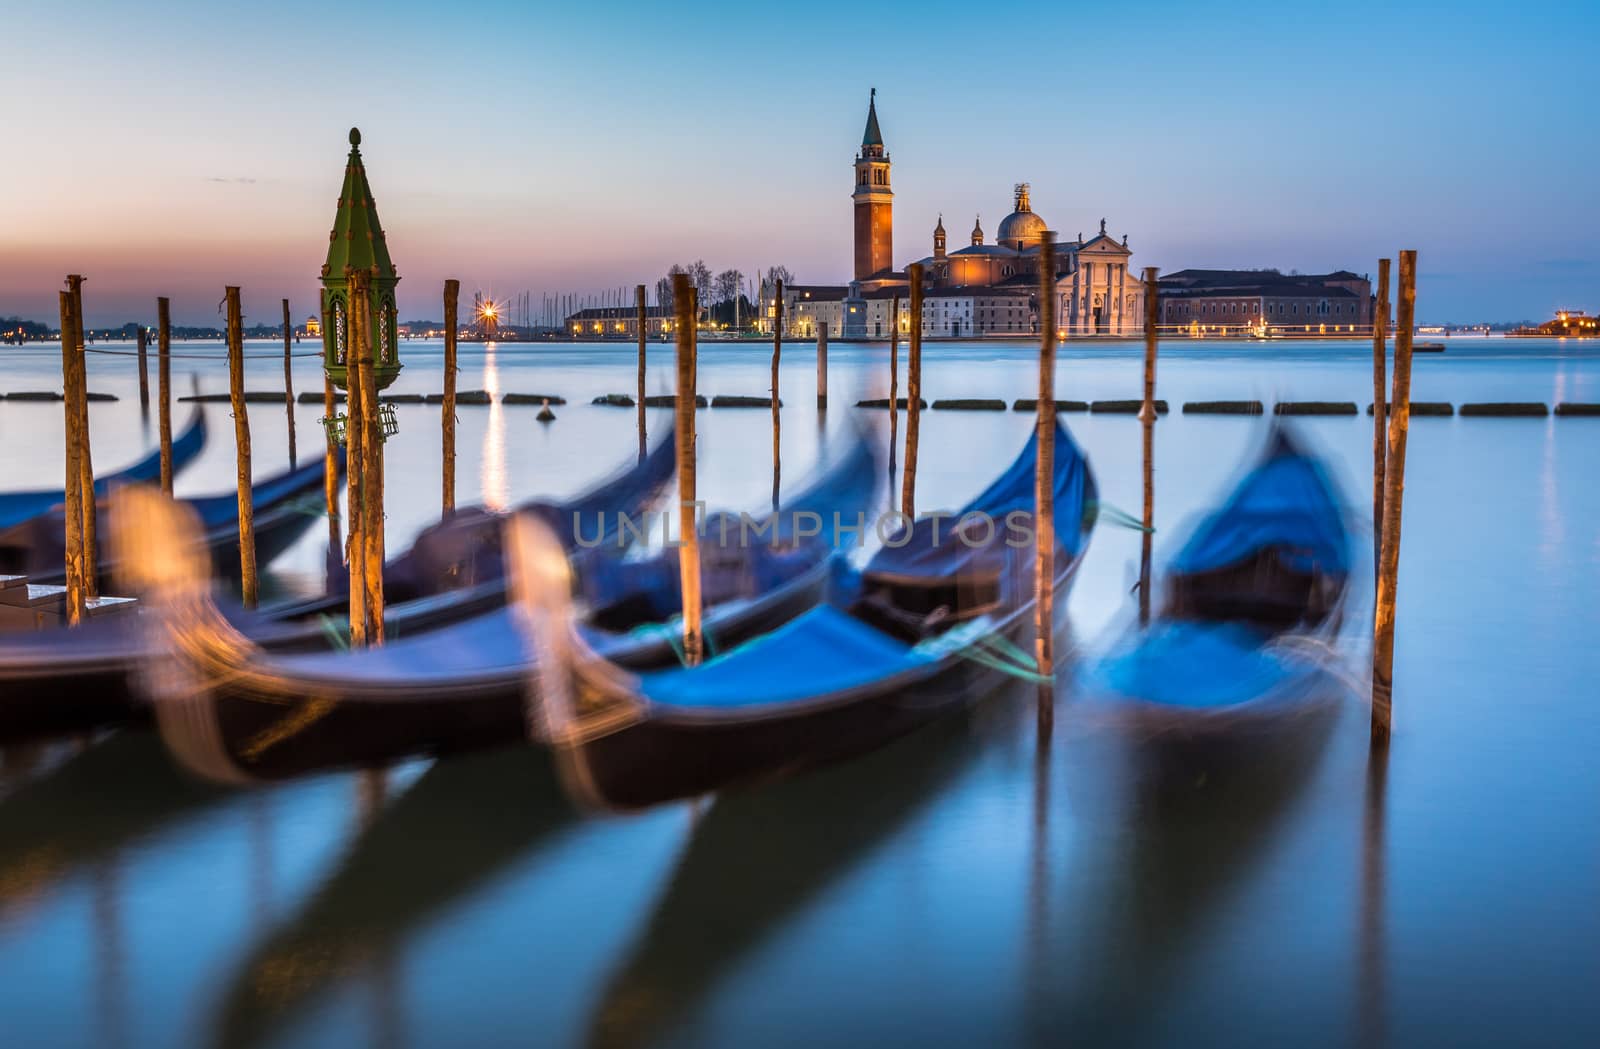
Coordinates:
[953,889]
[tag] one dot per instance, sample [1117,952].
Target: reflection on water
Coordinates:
[1373,979]
[495,488]
[957,888]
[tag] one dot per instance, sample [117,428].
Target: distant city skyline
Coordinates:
[579,149]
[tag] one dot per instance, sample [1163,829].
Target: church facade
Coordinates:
[979,289]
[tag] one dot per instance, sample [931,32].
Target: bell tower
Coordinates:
[874,202]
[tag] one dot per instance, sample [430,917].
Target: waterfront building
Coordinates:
[981,289]
[1266,300]
[618,322]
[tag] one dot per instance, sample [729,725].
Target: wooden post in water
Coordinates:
[1044,488]
[1380,411]
[908,481]
[683,306]
[164,389]
[894,393]
[74,449]
[452,293]
[355,518]
[822,366]
[144,370]
[288,382]
[1147,420]
[1393,496]
[330,462]
[777,353]
[90,504]
[372,546]
[241,433]
[638,399]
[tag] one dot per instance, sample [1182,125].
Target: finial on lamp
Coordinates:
[355,136]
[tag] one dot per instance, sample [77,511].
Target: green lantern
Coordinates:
[356,243]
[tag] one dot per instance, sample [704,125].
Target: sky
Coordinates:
[174,149]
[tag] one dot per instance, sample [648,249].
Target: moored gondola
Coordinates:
[60,682]
[1240,663]
[232,712]
[285,506]
[930,624]
[19,507]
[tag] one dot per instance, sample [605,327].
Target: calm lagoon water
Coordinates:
[957,888]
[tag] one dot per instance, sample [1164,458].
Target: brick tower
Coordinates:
[874,202]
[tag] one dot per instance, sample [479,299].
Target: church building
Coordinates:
[980,289]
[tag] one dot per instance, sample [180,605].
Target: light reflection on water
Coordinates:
[494,436]
[954,889]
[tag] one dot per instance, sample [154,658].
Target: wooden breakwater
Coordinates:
[1248,407]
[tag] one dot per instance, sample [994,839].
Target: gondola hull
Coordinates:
[673,754]
[253,736]
[1165,750]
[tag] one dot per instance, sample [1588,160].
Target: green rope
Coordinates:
[671,631]
[983,657]
[336,636]
[1122,518]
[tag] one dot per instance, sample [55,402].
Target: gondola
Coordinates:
[285,505]
[231,712]
[1238,663]
[73,681]
[18,507]
[931,623]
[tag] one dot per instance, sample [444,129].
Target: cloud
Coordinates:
[238,181]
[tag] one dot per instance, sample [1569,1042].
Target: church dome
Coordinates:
[1022,228]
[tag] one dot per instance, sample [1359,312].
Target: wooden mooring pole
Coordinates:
[144,370]
[80,366]
[822,366]
[683,306]
[330,462]
[74,452]
[642,315]
[1044,574]
[248,585]
[894,393]
[1147,421]
[164,389]
[908,480]
[355,518]
[1393,497]
[447,418]
[777,354]
[372,518]
[288,382]
[1380,411]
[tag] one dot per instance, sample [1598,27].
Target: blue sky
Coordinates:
[177,148]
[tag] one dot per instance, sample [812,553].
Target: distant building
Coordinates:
[618,322]
[1266,300]
[314,327]
[976,290]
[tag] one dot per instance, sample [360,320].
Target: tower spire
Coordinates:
[872,137]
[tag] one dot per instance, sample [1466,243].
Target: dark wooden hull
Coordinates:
[671,754]
[310,725]
[1169,751]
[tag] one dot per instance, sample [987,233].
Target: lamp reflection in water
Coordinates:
[494,436]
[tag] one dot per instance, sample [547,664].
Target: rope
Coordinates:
[1121,518]
[671,631]
[336,635]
